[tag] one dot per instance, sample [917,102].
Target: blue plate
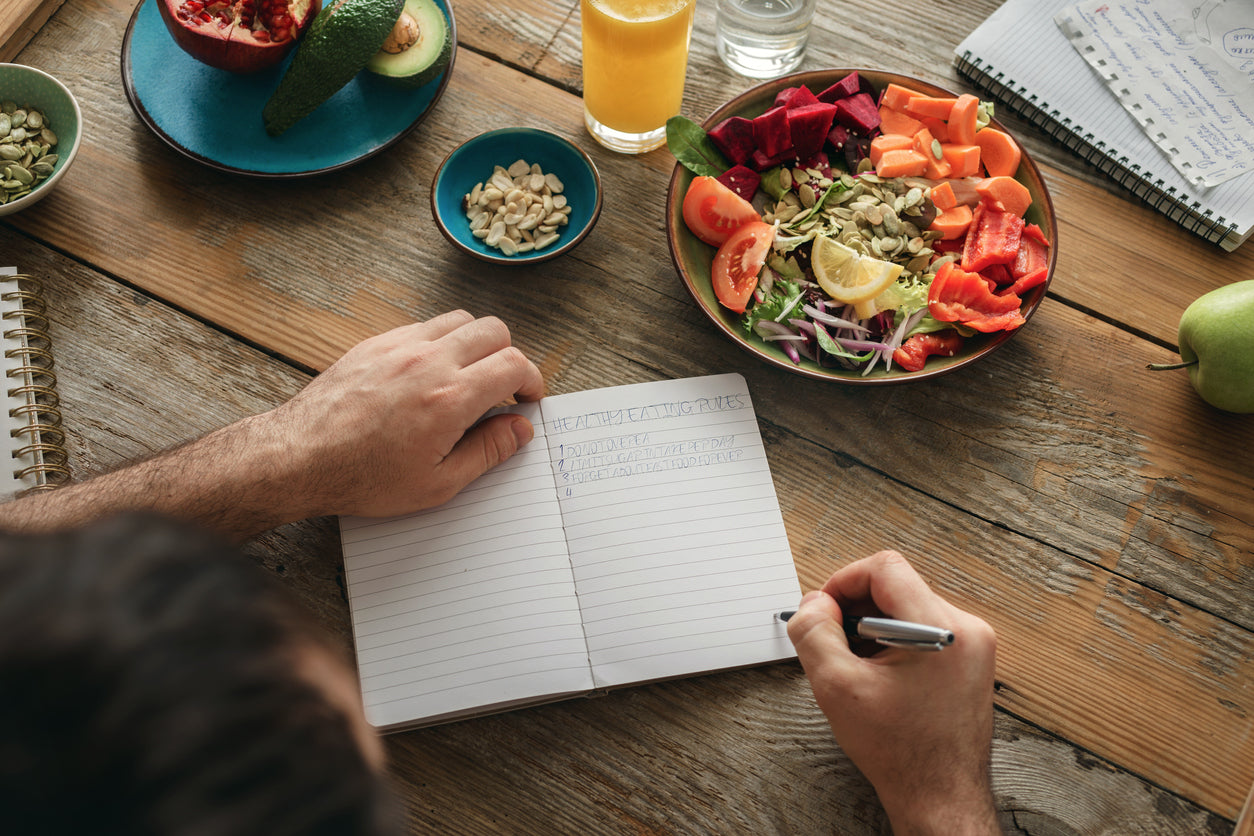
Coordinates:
[214,117]
[474,161]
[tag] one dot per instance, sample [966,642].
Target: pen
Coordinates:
[892,632]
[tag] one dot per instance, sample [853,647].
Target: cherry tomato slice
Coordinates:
[713,212]
[737,263]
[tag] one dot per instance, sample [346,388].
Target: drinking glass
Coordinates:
[635,55]
[763,38]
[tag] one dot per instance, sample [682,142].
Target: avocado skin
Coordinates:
[381,59]
[338,44]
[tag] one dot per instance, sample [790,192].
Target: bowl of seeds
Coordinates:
[516,196]
[40,130]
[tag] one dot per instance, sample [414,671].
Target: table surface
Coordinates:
[1098,515]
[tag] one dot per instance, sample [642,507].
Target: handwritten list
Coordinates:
[637,538]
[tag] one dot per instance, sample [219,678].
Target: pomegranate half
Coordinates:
[240,36]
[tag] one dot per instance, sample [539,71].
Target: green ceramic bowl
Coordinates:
[692,257]
[29,87]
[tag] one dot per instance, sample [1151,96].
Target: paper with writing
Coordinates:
[1184,71]
[638,537]
[673,526]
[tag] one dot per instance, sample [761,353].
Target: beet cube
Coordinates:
[838,136]
[857,148]
[741,180]
[761,162]
[734,137]
[770,132]
[842,89]
[791,97]
[859,114]
[808,125]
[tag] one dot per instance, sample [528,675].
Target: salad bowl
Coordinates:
[693,258]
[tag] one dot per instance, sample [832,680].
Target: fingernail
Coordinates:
[810,596]
[523,431]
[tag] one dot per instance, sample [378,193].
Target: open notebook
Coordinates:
[638,537]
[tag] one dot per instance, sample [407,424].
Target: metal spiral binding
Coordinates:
[36,386]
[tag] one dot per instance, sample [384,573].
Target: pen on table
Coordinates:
[892,632]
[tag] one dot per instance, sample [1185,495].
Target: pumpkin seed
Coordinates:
[26,141]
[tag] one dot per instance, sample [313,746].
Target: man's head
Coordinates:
[154,681]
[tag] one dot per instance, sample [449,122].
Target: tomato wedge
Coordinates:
[738,262]
[713,212]
[960,296]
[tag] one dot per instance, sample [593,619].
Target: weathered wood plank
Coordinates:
[741,752]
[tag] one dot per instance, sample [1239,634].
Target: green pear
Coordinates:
[1216,338]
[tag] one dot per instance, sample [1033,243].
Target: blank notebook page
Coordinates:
[468,605]
[674,529]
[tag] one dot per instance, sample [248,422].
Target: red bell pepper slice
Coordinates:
[993,238]
[1031,265]
[913,353]
[957,295]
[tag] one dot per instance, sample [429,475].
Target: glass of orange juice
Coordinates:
[635,55]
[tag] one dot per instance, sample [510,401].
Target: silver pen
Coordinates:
[893,632]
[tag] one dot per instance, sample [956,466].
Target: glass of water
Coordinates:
[763,38]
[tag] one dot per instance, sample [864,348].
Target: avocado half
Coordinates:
[418,48]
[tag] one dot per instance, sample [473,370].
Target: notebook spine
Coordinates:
[41,461]
[1127,173]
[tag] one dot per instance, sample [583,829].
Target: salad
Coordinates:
[863,229]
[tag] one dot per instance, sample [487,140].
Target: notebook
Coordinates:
[33,441]
[1023,60]
[637,538]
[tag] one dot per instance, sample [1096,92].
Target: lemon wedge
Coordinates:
[847,275]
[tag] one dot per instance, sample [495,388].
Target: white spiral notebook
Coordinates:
[1023,60]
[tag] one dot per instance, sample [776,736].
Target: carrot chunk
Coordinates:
[962,119]
[953,222]
[964,160]
[888,142]
[932,106]
[896,97]
[943,197]
[938,127]
[999,152]
[1005,194]
[937,167]
[901,163]
[896,122]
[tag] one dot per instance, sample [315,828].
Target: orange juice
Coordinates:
[635,54]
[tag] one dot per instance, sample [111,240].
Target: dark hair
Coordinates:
[149,684]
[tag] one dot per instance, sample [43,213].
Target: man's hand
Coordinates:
[918,724]
[388,429]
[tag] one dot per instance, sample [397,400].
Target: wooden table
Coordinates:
[1099,516]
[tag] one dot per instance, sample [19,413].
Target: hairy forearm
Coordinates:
[233,481]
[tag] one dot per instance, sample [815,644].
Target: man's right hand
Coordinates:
[918,724]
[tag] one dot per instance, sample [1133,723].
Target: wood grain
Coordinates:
[19,21]
[1097,514]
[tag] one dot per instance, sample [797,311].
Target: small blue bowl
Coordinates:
[474,161]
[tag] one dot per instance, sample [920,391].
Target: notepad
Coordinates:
[1023,59]
[637,538]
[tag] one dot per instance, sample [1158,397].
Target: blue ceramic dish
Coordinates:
[474,161]
[29,87]
[214,117]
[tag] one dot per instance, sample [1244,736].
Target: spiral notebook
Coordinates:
[637,538]
[34,441]
[1023,60]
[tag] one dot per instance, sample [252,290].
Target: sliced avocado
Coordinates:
[418,48]
[339,42]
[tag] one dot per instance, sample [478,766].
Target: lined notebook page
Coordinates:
[673,525]
[470,605]
[1022,46]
